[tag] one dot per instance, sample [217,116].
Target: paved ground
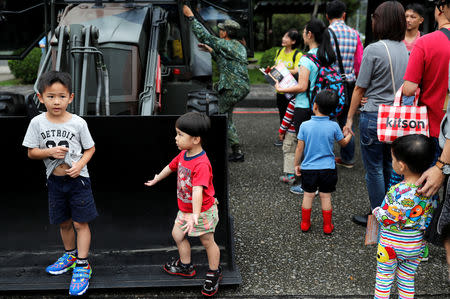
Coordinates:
[274,257]
[5,73]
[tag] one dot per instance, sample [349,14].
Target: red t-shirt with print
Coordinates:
[427,66]
[193,171]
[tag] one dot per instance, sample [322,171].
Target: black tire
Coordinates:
[203,101]
[12,104]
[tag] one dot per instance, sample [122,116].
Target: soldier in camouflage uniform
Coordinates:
[231,58]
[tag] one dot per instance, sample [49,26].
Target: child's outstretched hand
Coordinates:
[189,226]
[152,182]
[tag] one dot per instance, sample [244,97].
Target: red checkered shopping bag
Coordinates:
[396,120]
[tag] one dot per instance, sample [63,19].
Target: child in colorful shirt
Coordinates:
[198,214]
[404,214]
[287,133]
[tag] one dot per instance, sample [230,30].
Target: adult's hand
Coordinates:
[433,179]
[205,48]
[364,101]
[187,11]
[347,129]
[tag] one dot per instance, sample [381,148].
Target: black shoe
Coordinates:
[360,219]
[236,157]
[174,267]
[211,285]
[278,143]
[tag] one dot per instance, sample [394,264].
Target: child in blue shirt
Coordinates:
[316,138]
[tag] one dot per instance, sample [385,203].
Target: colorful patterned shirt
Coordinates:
[350,47]
[230,56]
[404,208]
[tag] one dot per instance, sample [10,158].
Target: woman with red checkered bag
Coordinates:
[376,84]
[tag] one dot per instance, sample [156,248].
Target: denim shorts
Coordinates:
[70,198]
[323,179]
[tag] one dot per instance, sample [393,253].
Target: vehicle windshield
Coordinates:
[217,12]
[171,49]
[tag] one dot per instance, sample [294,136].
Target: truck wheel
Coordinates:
[30,104]
[12,104]
[203,101]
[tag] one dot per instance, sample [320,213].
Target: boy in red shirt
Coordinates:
[198,214]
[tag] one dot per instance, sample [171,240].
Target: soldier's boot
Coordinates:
[236,155]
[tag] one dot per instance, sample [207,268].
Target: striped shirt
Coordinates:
[287,124]
[350,47]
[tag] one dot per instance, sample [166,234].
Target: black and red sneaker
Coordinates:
[211,285]
[175,267]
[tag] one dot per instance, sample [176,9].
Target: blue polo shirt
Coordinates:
[319,135]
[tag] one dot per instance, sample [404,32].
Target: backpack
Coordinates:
[327,78]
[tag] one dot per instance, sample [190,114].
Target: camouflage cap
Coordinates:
[229,25]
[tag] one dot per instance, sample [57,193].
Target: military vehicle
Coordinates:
[135,66]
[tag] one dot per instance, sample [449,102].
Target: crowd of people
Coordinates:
[403,178]
[413,167]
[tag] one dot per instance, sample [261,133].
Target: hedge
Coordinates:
[26,69]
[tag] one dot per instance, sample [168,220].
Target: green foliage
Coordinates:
[258,56]
[11,82]
[352,6]
[268,57]
[256,77]
[281,23]
[27,68]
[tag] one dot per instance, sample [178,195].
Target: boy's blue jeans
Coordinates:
[376,157]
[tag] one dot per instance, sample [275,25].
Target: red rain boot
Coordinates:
[327,225]
[306,220]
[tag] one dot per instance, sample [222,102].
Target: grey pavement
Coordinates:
[261,96]
[275,258]
[21,89]
[5,73]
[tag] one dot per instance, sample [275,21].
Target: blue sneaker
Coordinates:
[62,265]
[296,189]
[80,280]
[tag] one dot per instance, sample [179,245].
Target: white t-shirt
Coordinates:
[73,134]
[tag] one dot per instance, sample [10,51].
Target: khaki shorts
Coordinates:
[207,221]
